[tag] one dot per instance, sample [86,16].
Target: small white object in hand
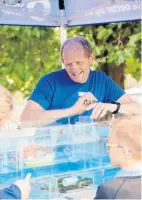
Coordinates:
[80,94]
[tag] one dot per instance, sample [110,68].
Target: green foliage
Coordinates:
[27,53]
[133,68]
[114,44]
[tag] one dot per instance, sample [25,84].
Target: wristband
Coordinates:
[118,107]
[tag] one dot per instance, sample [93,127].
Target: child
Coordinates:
[21,188]
[125,152]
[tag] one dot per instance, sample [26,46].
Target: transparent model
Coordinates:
[65,161]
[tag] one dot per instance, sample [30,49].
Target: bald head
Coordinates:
[77,41]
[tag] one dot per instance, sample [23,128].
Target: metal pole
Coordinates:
[63,33]
[63,29]
[62,21]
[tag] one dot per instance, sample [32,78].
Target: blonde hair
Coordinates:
[6,104]
[128,134]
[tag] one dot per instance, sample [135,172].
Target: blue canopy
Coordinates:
[76,12]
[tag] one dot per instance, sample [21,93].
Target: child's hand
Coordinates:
[24,187]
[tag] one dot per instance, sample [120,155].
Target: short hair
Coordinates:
[128,134]
[80,40]
[6,104]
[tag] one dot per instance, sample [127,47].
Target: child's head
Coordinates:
[6,105]
[125,141]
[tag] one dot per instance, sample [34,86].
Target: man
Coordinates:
[56,96]
[125,142]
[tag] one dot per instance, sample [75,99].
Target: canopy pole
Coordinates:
[63,23]
[63,29]
[63,33]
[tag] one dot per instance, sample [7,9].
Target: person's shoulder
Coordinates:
[53,75]
[98,73]
[108,190]
[114,182]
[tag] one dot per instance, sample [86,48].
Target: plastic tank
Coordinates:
[64,160]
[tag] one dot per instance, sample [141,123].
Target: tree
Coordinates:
[26,54]
[115,46]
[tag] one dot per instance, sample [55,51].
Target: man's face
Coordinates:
[77,63]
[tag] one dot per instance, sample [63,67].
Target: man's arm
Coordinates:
[35,115]
[114,93]
[128,107]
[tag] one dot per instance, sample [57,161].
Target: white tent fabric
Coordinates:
[77,12]
[30,12]
[101,11]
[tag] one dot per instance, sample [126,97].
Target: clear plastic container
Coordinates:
[61,158]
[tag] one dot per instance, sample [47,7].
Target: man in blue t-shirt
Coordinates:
[76,90]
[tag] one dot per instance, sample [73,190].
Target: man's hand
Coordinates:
[83,104]
[100,109]
[87,102]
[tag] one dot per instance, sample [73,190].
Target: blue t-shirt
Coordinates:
[57,91]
